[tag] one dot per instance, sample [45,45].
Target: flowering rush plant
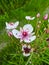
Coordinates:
[25,34]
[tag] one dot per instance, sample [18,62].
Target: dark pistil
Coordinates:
[27,50]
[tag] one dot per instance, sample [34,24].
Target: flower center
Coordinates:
[27,50]
[11,23]
[24,34]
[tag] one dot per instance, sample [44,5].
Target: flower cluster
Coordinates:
[10,26]
[25,34]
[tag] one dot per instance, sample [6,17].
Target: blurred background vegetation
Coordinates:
[8,5]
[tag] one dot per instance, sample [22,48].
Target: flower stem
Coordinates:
[29,59]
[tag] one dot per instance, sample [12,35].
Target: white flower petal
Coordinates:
[24,46]
[28,27]
[30,18]
[27,17]
[16,24]
[30,39]
[29,46]
[28,54]
[6,24]
[16,33]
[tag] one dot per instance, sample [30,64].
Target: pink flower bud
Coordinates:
[38,15]
[47,31]
[9,34]
[45,17]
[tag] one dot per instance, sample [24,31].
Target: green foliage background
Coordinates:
[10,48]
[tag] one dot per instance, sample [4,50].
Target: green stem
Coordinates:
[29,59]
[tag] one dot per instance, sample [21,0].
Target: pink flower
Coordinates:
[38,15]
[10,34]
[45,17]
[12,25]
[25,34]
[26,50]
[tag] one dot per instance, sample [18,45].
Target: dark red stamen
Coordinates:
[27,50]
[25,34]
